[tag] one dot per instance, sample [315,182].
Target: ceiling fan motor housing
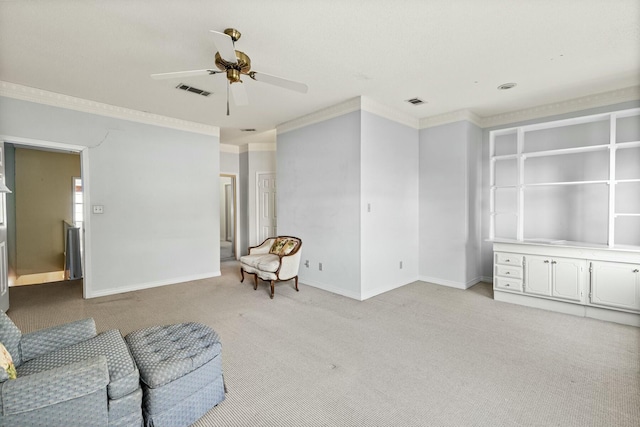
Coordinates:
[242,65]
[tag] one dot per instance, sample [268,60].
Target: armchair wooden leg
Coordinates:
[298,290]
[272,289]
[255,282]
[241,275]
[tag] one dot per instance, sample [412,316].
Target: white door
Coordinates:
[537,275]
[615,284]
[266,206]
[4,273]
[568,278]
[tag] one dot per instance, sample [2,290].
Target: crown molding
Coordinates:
[583,103]
[454,116]
[228,148]
[253,147]
[340,109]
[374,107]
[354,104]
[26,93]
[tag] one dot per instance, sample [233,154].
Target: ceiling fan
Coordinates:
[235,64]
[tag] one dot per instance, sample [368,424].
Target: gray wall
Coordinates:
[389,185]
[449,196]
[229,163]
[243,202]
[159,188]
[318,200]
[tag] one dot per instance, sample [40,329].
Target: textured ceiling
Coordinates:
[453,53]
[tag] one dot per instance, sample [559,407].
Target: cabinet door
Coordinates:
[537,272]
[615,284]
[567,278]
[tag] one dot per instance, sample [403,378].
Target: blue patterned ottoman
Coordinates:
[180,371]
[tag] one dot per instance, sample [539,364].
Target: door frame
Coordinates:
[236,217]
[84,174]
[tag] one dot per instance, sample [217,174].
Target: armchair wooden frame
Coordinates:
[288,265]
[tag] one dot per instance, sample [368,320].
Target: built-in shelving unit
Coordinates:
[576,180]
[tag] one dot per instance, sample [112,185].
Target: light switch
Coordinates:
[98,209]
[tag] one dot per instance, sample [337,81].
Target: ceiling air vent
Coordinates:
[193,89]
[248,130]
[415,101]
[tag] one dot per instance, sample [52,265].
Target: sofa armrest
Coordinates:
[54,386]
[262,248]
[289,266]
[44,341]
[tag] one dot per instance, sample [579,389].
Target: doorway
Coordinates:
[43,240]
[228,229]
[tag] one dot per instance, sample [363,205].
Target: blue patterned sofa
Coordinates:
[69,375]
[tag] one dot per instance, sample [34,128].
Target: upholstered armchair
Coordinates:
[68,375]
[276,259]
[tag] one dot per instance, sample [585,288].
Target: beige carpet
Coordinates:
[421,355]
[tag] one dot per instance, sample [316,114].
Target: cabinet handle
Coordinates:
[553,262]
[636,270]
[507,260]
[546,261]
[507,285]
[507,272]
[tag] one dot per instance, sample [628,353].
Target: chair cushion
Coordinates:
[123,374]
[166,353]
[263,262]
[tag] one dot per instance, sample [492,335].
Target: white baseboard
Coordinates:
[155,284]
[332,289]
[383,289]
[450,283]
[625,318]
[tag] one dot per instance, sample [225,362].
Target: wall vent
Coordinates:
[248,130]
[415,101]
[193,89]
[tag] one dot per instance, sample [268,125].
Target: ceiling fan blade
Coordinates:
[239,94]
[180,74]
[225,47]
[279,81]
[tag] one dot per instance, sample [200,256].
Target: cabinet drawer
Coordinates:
[508,284]
[509,272]
[508,259]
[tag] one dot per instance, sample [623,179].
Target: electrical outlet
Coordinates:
[98,209]
[306,263]
[320,266]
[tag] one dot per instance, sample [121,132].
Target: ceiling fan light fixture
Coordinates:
[507,86]
[233,33]
[233,75]
[234,64]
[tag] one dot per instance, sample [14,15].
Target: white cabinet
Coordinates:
[555,277]
[615,284]
[507,274]
[578,279]
[538,275]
